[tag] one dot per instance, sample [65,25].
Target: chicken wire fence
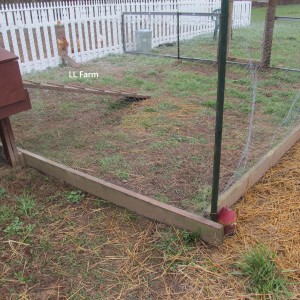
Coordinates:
[163,146]
[266,90]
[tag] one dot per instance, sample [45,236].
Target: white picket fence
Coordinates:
[94,29]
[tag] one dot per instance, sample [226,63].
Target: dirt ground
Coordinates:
[94,250]
[161,147]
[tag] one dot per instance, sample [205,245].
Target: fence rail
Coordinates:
[93,28]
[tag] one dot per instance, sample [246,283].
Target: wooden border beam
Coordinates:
[208,230]
[250,178]
[82,90]
[8,142]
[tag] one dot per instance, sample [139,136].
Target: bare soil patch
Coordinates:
[161,147]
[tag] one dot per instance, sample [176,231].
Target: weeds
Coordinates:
[200,199]
[26,205]
[263,276]
[74,196]
[6,214]
[2,193]
[176,247]
[15,228]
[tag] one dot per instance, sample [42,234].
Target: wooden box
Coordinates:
[13,97]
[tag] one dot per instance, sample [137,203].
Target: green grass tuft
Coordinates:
[74,196]
[263,276]
[26,205]
[2,193]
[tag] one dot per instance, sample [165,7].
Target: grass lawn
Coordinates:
[161,147]
[247,42]
[60,243]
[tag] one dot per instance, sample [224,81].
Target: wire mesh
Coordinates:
[163,146]
[262,103]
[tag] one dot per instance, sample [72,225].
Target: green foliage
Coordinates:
[22,278]
[167,106]
[237,94]
[119,104]
[74,196]
[6,214]
[150,109]
[2,193]
[200,200]
[149,86]
[188,84]
[110,162]
[190,238]
[109,80]
[15,228]
[122,175]
[26,205]
[103,145]
[161,197]
[176,247]
[263,276]
[212,104]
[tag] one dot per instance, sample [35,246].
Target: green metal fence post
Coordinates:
[222,53]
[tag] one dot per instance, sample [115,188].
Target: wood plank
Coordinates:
[249,179]
[209,231]
[8,142]
[82,90]
[70,61]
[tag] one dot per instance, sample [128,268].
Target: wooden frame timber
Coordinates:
[8,142]
[209,231]
[82,90]
[250,178]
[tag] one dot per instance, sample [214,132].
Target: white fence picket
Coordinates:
[94,29]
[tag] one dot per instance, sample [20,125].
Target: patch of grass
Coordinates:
[2,193]
[212,104]
[122,175]
[15,228]
[26,205]
[175,139]
[119,104]
[108,162]
[151,72]
[149,86]
[74,196]
[244,107]
[242,81]
[176,246]
[150,109]
[104,145]
[45,243]
[161,197]
[263,276]
[67,107]
[116,165]
[7,213]
[188,84]
[108,80]
[159,145]
[237,94]
[22,278]
[286,77]
[167,106]
[200,199]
